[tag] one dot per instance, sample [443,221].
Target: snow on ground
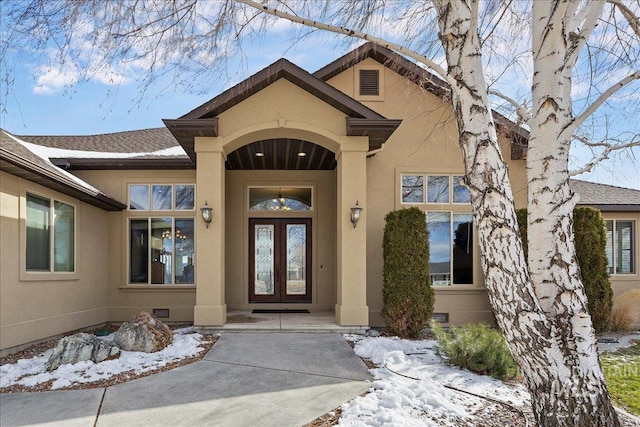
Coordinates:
[30,372]
[409,387]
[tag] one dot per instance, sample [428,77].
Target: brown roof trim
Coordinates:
[424,79]
[613,208]
[186,128]
[124,164]
[23,168]
[378,130]
[296,75]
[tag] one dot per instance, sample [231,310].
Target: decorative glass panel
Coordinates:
[624,247]
[38,243]
[439,225]
[438,189]
[184,244]
[463,249]
[161,250]
[460,192]
[296,259]
[264,259]
[161,197]
[63,239]
[139,251]
[412,189]
[139,197]
[280,199]
[185,197]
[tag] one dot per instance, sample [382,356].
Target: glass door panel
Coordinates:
[264,260]
[296,259]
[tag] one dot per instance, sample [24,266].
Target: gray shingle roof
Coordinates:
[606,197]
[17,160]
[136,141]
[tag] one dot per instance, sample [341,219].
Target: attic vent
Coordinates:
[369,82]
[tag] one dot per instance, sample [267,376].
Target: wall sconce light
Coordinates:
[355,214]
[206,214]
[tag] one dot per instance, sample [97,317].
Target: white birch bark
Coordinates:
[543,317]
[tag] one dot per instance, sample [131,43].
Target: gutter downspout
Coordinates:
[374,152]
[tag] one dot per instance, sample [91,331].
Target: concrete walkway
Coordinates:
[247,379]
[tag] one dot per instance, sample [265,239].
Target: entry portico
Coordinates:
[284,107]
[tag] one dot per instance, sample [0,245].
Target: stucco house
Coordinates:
[250,200]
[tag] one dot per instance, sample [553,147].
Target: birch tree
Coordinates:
[539,302]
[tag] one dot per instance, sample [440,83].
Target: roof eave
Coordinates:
[41,176]
[378,130]
[185,130]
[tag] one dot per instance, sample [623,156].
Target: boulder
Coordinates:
[79,347]
[143,333]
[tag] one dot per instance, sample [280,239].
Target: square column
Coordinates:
[210,308]
[351,308]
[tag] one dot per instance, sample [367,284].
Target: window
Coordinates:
[161,197]
[161,251]
[50,235]
[369,82]
[161,246]
[280,198]
[620,246]
[450,248]
[439,189]
[449,221]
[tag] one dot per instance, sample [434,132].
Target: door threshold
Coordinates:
[280,311]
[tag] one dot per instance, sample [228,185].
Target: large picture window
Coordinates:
[161,251]
[450,248]
[620,246]
[50,235]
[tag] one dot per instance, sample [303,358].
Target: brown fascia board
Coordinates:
[186,128]
[378,131]
[296,75]
[123,164]
[422,78]
[23,168]
[613,208]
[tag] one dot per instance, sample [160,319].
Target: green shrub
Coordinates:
[407,293]
[478,348]
[590,239]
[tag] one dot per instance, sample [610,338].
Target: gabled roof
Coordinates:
[202,121]
[422,78]
[18,160]
[606,197]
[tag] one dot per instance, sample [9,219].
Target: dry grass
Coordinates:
[625,314]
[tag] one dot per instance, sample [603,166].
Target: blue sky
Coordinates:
[42,102]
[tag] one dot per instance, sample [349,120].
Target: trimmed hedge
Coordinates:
[590,239]
[407,293]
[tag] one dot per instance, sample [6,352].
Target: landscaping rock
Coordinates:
[80,347]
[144,333]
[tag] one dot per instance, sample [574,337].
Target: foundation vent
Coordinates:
[161,313]
[441,317]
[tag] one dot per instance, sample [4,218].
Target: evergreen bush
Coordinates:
[407,293]
[478,348]
[590,239]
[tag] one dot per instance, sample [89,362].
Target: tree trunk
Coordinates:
[543,317]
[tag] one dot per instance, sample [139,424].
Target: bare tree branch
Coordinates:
[576,122]
[633,19]
[608,149]
[352,33]
[524,115]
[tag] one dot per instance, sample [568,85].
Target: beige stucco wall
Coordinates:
[34,306]
[124,300]
[323,215]
[425,142]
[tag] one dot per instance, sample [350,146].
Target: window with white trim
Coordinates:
[620,246]
[50,235]
[446,201]
[161,244]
